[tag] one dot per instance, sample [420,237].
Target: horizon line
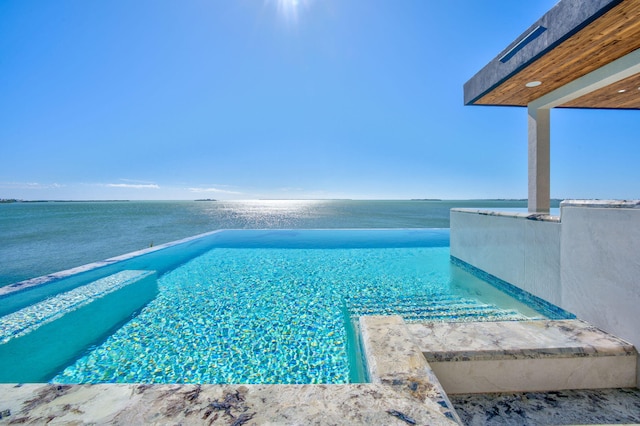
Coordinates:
[16,200]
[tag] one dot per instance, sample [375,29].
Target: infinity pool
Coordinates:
[248,307]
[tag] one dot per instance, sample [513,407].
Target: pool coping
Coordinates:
[543,217]
[125,404]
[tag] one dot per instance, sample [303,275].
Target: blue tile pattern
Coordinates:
[238,315]
[549,310]
[444,307]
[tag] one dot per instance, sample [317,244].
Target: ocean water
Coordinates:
[41,238]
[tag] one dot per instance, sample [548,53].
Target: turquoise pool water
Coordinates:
[280,306]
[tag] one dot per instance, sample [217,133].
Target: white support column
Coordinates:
[539,160]
[539,125]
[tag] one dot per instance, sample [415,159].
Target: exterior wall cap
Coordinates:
[514,215]
[618,204]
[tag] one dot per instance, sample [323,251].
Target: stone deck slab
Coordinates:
[515,340]
[358,404]
[525,356]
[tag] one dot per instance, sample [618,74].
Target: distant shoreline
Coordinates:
[12,200]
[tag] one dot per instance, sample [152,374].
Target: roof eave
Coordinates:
[561,22]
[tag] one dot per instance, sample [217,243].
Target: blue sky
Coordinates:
[249,99]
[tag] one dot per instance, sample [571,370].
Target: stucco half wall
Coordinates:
[587,261]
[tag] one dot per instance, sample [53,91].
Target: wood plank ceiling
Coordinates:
[611,36]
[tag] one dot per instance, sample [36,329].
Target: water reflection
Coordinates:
[41,238]
[267,213]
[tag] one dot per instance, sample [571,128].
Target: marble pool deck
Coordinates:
[404,387]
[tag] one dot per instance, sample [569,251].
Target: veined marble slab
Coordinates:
[394,359]
[516,340]
[569,407]
[514,215]
[616,204]
[525,356]
[358,404]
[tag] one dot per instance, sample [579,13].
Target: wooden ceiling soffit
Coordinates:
[624,94]
[614,34]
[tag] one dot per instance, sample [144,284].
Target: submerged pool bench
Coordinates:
[51,333]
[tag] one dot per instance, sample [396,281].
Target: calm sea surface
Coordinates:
[40,238]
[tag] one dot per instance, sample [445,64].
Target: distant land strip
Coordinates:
[13,200]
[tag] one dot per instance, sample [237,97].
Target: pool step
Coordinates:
[50,333]
[430,308]
[393,358]
[525,356]
[404,300]
[447,313]
[426,307]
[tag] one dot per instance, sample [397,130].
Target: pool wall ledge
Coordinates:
[584,261]
[45,336]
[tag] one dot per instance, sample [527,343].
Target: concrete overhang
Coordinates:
[593,45]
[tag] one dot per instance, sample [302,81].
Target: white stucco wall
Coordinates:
[512,247]
[600,272]
[588,263]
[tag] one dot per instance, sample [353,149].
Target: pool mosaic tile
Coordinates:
[252,315]
[549,310]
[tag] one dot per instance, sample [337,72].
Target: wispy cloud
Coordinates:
[29,185]
[215,190]
[133,185]
[135,181]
